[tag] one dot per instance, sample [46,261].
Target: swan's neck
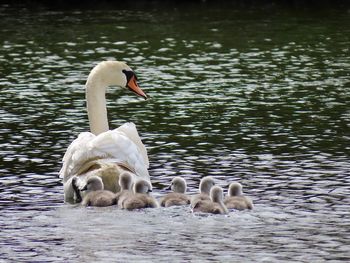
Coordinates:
[179,189]
[205,189]
[96,105]
[235,192]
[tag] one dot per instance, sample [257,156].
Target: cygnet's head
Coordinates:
[125,181]
[206,184]
[178,185]
[115,73]
[235,189]
[93,183]
[216,194]
[142,187]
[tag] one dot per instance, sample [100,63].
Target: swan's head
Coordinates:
[235,189]
[216,194]
[142,187]
[206,184]
[115,73]
[93,183]
[178,185]
[125,181]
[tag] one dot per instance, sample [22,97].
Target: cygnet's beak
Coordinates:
[84,188]
[168,187]
[134,87]
[149,191]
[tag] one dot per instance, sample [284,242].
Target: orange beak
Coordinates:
[134,87]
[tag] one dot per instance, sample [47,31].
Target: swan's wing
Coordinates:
[129,129]
[123,145]
[75,149]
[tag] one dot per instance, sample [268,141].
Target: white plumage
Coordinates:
[103,152]
[122,145]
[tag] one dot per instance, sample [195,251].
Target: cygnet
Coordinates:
[215,205]
[125,183]
[141,197]
[96,196]
[236,199]
[178,196]
[205,185]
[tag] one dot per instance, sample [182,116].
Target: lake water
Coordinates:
[259,95]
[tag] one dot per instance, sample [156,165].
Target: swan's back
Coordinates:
[206,206]
[99,198]
[175,199]
[238,202]
[122,146]
[139,201]
[199,197]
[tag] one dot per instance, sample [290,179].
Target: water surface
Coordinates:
[255,95]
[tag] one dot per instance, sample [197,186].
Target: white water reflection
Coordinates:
[267,234]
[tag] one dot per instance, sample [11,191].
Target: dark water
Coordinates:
[251,94]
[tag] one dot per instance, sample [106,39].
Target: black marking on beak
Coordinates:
[129,74]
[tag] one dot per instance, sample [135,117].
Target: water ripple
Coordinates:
[266,104]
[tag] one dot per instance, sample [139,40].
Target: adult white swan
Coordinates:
[103,152]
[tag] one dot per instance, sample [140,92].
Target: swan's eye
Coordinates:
[129,74]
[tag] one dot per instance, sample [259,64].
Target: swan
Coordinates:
[178,196]
[103,152]
[141,197]
[236,199]
[125,182]
[96,195]
[205,185]
[213,206]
